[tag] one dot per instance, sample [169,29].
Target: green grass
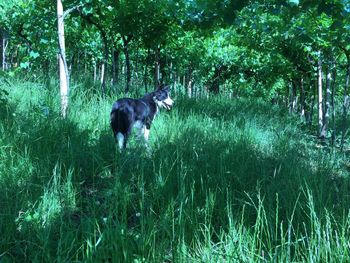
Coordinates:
[226,181]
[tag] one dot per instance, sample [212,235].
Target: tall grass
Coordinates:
[225,181]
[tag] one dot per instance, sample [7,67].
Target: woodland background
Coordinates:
[251,165]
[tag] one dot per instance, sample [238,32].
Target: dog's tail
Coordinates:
[118,121]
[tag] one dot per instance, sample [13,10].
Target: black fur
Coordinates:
[126,111]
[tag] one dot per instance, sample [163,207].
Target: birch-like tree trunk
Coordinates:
[302,98]
[63,70]
[346,100]
[324,129]
[4,44]
[157,67]
[334,75]
[320,95]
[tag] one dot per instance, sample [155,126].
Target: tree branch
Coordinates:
[70,10]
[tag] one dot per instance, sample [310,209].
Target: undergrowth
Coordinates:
[225,181]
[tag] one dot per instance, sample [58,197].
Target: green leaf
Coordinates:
[24,65]
[294,2]
[34,54]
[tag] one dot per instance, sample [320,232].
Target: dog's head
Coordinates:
[162,97]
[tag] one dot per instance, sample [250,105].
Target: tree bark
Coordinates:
[334,75]
[63,69]
[314,89]
[302,98]
[157,67]
[324,129]
[345,100]
[320,95]
[115,68]
[104,62]
[3,53]
[126,41]
[145,77]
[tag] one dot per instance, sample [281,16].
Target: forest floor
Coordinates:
[227,180]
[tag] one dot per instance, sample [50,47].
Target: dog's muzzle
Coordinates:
[168,103]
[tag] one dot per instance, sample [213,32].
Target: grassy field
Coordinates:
[226,181]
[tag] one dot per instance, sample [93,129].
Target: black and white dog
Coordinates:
[127,113]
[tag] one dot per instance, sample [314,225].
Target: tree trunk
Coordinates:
[127,63]
[4,44]
[64,76]
[314,88]
[104,63]
[190,83]
[320,95]
[175,83]
[145,75]
[334,75]
[302,98]
[95,72]
[115,68]
[346,100]
[136,69]
[157,67]
[324,129]
[293,97]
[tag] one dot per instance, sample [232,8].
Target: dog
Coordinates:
[128,113]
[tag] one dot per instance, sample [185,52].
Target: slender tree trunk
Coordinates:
[334,75]
[324,129]
[307,100]
[175,82]
[145,75]
[115,68]
[320,95]
[104,63]
[190,83]
[136,69]
[294,97]
[64,76]
[346,101]
[314,88]
[302,98]
[157,67]
[95,73]
[128,69]
[126,41]
[3,58]
[103,79]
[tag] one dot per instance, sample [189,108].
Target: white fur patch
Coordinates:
[120,139]
[169,101]
[138,125]
[146,134]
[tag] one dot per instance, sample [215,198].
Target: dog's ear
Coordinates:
[159,86]
[166,88]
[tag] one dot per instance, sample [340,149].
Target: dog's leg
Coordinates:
[143,135]
[146,134]
[121,140]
